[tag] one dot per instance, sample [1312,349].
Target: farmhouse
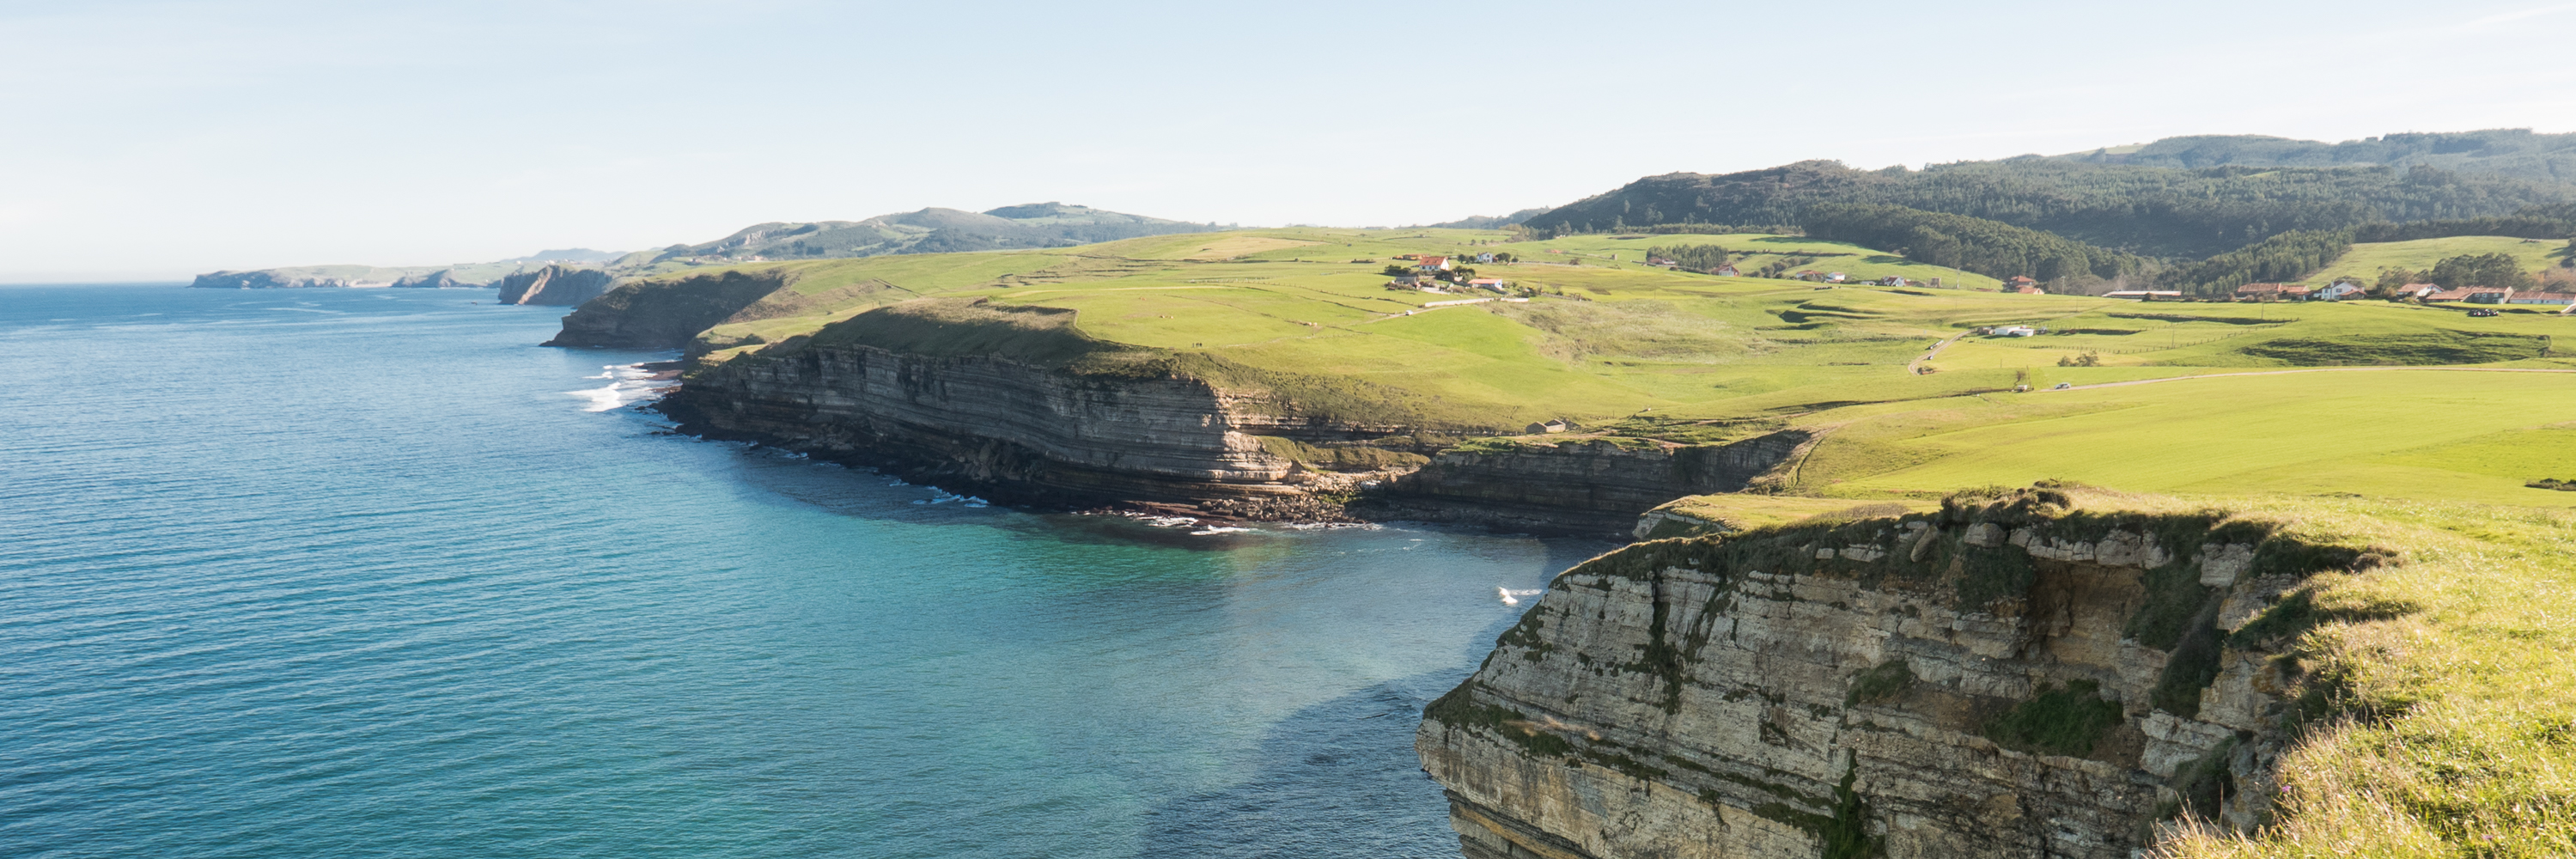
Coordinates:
[2018,283]
[1891,280]
[1836,277]
[1551,426]
[1432,263]
[2271,292]
[2560,298]
[1485,257]
[1724,271]
[1488,283]
[2337,291]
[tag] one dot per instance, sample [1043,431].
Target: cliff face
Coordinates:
[1007,427]
[2014,678]
[440,279]
[554,285]
[1587,485]
[663,314]
[1013,403]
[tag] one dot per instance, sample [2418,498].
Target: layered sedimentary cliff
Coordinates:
[1038,413]
[1013,403]
[2010,676]
[1590,485]
[554,285]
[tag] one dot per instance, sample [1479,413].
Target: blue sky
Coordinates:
[155,140]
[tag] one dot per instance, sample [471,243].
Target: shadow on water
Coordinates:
[1335,779]
[1339,778]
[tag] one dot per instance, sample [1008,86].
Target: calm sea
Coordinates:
[359,573]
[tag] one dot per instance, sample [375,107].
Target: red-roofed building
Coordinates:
[1433,263]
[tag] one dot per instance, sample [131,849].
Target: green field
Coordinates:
[1627,350]
[2364,261]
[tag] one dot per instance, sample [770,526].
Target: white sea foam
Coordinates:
[1218,530]
[628,383]
[1512,597]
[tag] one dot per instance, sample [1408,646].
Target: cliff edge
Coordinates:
[1015,403]
[2035,673]
[556,285]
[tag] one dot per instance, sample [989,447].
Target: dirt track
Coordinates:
[2307,370]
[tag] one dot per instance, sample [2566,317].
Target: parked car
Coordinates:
[2484,311]
[2063,386]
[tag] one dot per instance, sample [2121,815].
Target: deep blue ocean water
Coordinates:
[365,573]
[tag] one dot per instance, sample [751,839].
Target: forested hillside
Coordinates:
[1991,248]
[2156,211]
[2515,152]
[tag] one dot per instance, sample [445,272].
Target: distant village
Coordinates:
[2424,292]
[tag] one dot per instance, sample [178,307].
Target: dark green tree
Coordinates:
[2491,270]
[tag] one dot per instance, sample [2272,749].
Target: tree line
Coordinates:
[2154,211]
[2285,257]
[1991,248]
[2531,222]
[1699,258]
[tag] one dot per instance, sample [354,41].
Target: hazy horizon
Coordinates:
[158,140]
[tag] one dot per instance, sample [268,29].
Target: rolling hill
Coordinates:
[934,230]
[2161,211]
[2515,152]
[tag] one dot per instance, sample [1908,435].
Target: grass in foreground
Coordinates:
[2459,737]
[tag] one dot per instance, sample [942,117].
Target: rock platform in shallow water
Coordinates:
[2012,677]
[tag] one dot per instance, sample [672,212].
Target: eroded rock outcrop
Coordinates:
[554,285]
[664,313]
[2009,676]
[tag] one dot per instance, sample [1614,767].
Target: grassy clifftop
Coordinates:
[2304,398]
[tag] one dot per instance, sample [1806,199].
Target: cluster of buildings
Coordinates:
[2424,292]
[1430,274]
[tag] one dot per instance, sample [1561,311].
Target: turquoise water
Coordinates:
[361,573]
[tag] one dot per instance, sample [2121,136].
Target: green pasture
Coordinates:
[1626,349]
[2458,435]
[2152,337]
[2364,261]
